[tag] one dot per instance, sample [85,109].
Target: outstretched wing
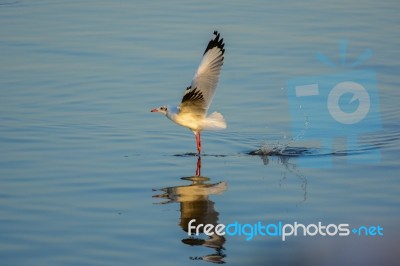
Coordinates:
[198,96]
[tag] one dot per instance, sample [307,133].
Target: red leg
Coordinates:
[198,169]
[198,142]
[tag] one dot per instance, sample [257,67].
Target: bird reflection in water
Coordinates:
[195,204]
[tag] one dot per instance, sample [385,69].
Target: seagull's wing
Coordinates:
[198,96]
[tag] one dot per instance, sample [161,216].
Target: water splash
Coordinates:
[279,148]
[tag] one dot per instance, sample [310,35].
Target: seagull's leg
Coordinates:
[198,169]
[198,136]
[198,140]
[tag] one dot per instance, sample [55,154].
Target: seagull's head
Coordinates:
[162,109]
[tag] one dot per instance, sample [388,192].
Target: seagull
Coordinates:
[192,111]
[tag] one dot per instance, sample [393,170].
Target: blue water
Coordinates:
[88,176]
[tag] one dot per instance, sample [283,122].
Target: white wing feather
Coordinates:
[198,96]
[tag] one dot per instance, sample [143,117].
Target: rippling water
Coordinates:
[88,176]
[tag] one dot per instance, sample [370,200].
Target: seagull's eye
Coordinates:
[163,108]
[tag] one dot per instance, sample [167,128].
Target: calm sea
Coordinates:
[88,176]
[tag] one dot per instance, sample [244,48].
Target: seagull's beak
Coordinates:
[154,110]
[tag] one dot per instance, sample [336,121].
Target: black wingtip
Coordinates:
[216,42]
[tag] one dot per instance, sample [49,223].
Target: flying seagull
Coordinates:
[192,112]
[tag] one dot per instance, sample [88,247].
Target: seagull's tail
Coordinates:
[214,121]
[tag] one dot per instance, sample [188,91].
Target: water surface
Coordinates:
[90,177]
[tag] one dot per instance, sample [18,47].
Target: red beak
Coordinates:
[154,110]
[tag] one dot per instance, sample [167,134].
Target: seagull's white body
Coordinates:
[192,112]
[195,122]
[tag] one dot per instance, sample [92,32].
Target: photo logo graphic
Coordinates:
[283,230]
[342,104]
